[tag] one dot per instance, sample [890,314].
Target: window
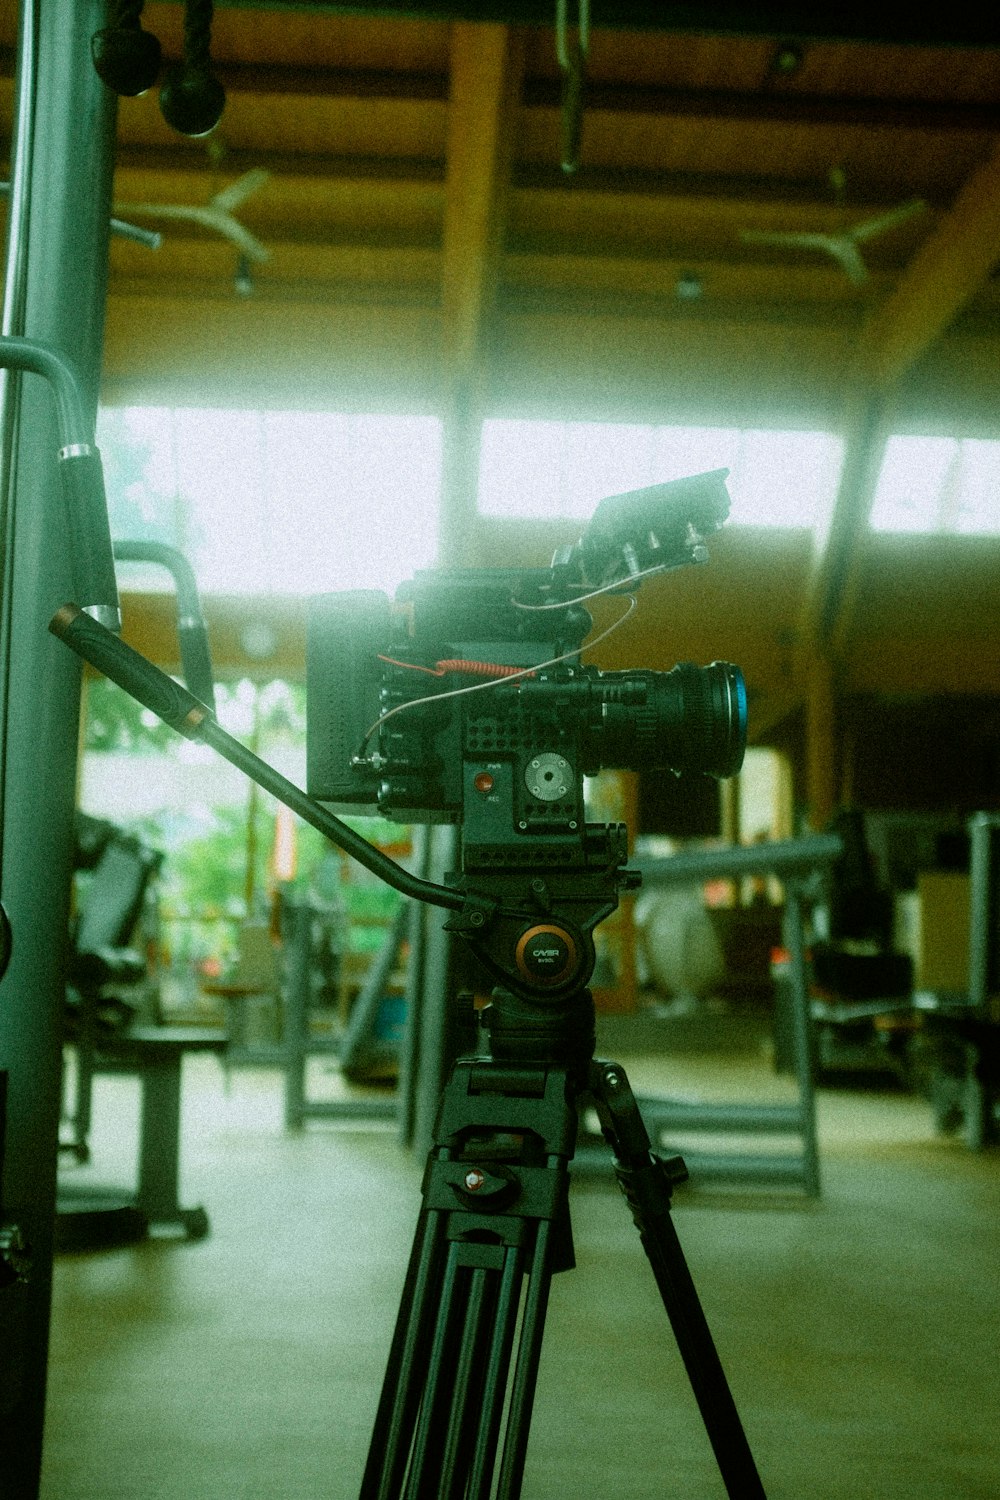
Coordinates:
[276,502]
[938,484]
[562,469]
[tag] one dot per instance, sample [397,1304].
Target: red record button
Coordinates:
[483,782]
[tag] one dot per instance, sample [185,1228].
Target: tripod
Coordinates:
[494,1224]
[535,880]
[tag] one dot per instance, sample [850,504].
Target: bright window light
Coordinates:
[547,470]
[935,484]
[276,502]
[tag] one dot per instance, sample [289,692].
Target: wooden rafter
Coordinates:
[951,265]
[485,81]
[789,106]
[485,87]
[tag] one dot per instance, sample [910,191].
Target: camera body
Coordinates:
[463,700]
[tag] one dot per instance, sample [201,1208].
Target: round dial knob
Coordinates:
[546,954]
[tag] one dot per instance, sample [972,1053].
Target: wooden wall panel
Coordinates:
[358,347]
[255,353]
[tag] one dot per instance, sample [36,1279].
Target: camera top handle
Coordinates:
[182,711]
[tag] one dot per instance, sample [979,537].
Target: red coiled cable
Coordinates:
[457,664]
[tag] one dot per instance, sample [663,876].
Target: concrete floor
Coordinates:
[859,1332]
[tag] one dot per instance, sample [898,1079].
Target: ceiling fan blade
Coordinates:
[847,255]
[841,247]
[798,240]
[884,222]
[229,198]
[155,210]
[231,229]
[209,217]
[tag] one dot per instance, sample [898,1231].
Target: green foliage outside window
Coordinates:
[115,722]
[217,857]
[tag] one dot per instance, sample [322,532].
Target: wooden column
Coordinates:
[947,270]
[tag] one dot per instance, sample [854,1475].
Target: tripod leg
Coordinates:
[479,1313]
[526,1371]
[401,1390]
[484,1362]
[494,1229]
[646,1182]
[434,1438]
[495,1376]
[454,1450]
[429,1391]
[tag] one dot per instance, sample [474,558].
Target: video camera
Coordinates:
[464,699]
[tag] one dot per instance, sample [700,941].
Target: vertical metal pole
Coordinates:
[432,1066]
[295,1022]
[409,1049]
[802,1036]
[981,883]
[62,185]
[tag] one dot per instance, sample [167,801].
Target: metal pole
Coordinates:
[61,198]
[802,1037]
[982,888]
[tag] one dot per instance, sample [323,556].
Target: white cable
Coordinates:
[478,687]
[606,588]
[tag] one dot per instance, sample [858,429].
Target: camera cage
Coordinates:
[500,625]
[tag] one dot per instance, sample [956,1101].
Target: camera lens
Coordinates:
[691,719]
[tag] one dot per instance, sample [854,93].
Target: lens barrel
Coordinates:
[691,720]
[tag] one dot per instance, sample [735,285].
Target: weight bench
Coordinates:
[103,1031]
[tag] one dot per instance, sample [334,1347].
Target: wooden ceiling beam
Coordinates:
[778,105]
[306,82]
[959,25]
[486,75]
[391,269]
[331,199]
[738,190]
[480,122]
[135,161]
[195,267]
[950,267]
[534,190]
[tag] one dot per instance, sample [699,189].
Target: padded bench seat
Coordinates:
[155,1054]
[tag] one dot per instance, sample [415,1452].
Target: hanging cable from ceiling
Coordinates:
[572,57]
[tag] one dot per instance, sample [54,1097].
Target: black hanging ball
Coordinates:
[126,58]
[192,100]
